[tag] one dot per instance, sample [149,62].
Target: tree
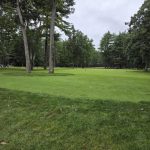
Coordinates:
[25,39]
[77,51]
[140,30]
[106,47]
[60,8]
[120,47]
[23,12]
[7,35]
[114,49]
[52,27]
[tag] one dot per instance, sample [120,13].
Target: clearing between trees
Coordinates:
[75,109]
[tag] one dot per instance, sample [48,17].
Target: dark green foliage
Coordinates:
[133,53]
[125,50]
[106,48]
[7,35]
[63,54]
[114,50]
[36,23]
[129,49]
[140,30]
[77,51]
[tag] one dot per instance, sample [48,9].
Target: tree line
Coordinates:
[129,49]
[28,38]
[77,51]
[33,20]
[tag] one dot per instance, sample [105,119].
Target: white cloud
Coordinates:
[96,17]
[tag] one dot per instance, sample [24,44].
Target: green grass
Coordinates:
[87,109]
[121,85]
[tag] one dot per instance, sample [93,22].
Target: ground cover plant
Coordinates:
[75,109]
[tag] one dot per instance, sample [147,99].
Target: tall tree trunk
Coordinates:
[24,32]
[146,66]
[46,50]
[31,52]
[51,48]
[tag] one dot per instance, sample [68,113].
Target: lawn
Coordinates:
[87,109]
[120,85]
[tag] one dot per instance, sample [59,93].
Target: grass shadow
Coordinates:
[35,74]
[41,121]
[138,71]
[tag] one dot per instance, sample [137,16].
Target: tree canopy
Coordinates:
[28,38]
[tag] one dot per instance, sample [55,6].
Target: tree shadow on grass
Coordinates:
[78,123]
[35,74]
[139,71]
[36,69]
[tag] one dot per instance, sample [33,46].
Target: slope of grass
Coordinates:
[121,85]
[74,109]
[38,121]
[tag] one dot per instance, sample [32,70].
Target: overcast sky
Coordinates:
[96,17]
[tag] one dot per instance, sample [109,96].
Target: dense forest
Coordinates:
[28,38]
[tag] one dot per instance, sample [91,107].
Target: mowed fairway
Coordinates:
[87,109]
[120,85]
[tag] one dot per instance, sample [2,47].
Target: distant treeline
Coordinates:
[129,49]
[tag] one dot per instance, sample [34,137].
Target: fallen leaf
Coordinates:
[3,143]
